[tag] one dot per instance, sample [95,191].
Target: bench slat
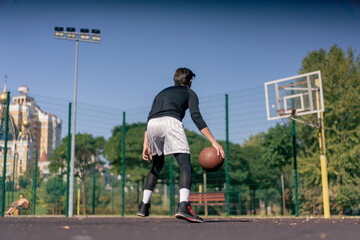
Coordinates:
[207,199]
[208,204]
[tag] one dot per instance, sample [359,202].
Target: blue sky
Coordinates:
[230,45]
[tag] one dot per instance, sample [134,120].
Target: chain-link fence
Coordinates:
[110,177]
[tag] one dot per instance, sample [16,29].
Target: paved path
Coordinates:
[153,228]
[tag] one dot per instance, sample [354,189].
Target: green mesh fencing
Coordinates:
[103,187]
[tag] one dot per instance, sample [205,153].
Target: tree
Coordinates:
[52,192]
[340,72]
[135,166]
[261,176]
[87,154]
[277,151]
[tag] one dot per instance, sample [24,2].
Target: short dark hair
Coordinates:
[183,76]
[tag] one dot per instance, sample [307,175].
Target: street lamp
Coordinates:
[83,36]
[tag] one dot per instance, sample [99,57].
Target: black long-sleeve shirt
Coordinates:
[174,101]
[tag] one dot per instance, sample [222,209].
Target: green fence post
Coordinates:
[68,163]
[171,186]
[13,177]
[75,194]
[9,187]
[227,155]
[295,169]
[138,192]
[61,185]
[5,153]
[93,193]
[55,194]
[123,169]
[35,180]
[112,200]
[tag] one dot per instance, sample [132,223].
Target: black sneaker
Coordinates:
[184,211]
[144,209]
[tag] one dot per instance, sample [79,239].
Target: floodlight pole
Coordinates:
[72,159]
[68,163]
[83,36]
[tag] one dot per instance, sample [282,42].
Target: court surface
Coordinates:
[156,228]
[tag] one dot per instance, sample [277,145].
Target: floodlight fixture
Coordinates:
[70,32]
[95,31]
[59,32]
[95,35]
[84,34]
[96,38]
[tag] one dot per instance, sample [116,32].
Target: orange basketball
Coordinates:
[209,160]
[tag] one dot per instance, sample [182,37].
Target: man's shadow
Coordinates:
[227,220]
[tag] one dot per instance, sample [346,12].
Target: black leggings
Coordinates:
[183,160]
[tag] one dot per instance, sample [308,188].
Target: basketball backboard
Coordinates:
[294,96]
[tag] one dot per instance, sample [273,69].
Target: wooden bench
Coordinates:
[208,199]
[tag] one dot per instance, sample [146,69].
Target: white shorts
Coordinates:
[166,135]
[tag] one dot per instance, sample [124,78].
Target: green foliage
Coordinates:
[102,197]
[49,194]
[261,175]
[26,180]
[87,155]
[347,196]
[87,152]
[277,146]
[59,157]
[135,165]
[341,86]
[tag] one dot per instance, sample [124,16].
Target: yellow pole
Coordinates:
[324,173]
[200,191]
[78,202]
[205,191]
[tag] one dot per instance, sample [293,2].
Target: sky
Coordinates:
[230,45]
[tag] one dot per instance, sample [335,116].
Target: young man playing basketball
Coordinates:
[165,135]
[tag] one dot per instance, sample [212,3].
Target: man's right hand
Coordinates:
[147,153]
[219,149]
[146,149]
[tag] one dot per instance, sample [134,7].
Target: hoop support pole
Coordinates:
[324,172]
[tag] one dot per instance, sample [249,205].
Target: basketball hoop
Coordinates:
[294,97]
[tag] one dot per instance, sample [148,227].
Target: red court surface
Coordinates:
[155,228]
